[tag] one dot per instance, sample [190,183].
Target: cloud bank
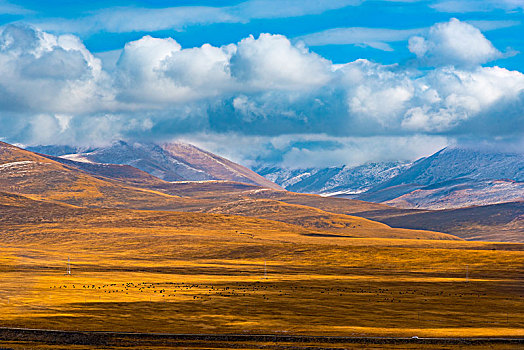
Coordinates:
[267,89]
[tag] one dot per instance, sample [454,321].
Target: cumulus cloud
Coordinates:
[455,43]
[41,72]
[139,76]
[449,97]
[152,70]
[272,62]
[266,89]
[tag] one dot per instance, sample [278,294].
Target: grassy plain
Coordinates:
[149,271]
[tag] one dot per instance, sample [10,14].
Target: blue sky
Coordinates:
[503,21]
[343,82]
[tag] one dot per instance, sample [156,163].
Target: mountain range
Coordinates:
[450,178]
[31,180]
[175,161]
[76,179]
[343,180]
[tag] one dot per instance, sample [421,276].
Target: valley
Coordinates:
[112,248]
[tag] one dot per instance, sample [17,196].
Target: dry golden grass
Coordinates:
[316,219]
[204,273]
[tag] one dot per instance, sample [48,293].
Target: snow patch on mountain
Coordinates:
[333,180]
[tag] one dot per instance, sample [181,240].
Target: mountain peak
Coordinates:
[174,161]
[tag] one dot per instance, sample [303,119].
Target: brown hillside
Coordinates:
[216,166]
[30,174]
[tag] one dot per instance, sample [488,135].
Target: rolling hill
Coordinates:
[495,222]
[170,162]
[38,177]
[99,185]
[498,222]
[108,186]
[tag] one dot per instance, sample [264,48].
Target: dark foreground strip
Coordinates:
[127,339]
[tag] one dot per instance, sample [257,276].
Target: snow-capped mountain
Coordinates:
[170,162]
[334,180]
[450,178]
[459,163]
[453,178]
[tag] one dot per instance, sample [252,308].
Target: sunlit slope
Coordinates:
[260,217]
[36,218]
[216,166]
[312,218]
[497,223]
[30,174]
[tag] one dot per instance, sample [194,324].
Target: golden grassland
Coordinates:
[171,272]
[258,262]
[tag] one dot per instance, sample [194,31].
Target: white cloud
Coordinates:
[8,8]
[376,92]
[459,95]
[272,62]
[42,72]
[139,76]
[487,25]
[454,43]
[152,70]
[267,89]
[205,69]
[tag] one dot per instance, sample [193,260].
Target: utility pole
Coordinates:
[68,266]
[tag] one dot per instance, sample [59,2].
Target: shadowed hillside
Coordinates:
[45,179]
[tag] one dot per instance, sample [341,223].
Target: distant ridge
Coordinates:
[454,178]
[175,161]
[51,181]
[451,178]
